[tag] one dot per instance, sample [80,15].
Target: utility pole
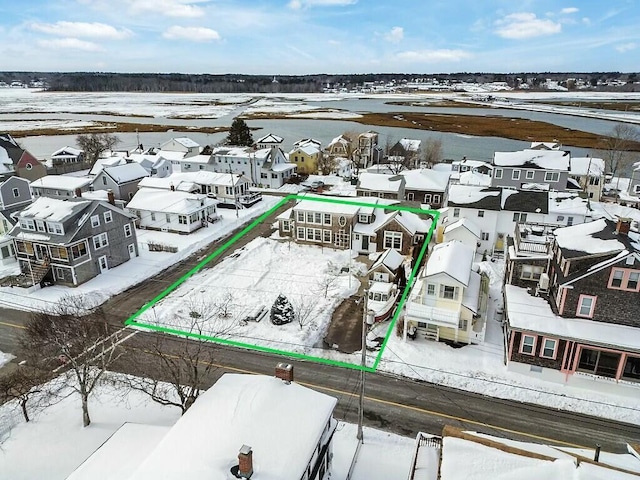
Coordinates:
[367,316]
[233,189]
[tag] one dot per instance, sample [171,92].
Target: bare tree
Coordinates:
[432,151]
[79,338]
[326,164]
[32,388]
[620,148]
[94,144]
[330,278]
[351,149]
[303,308]
[222,305]
[173,370]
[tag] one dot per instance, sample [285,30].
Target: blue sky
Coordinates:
[319,36]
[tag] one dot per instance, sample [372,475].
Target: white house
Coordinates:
[183,145]
[589,173]
[449,300]
[155,164]
[464,230]
[268,141]
[66,155]
[172,211]
[60,186]
[380,185]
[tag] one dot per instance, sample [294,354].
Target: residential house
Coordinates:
[586,331]
[569,208]
[181,145]
[465,231]
[236,422]
[305,157]
[71,241]
[340,147]
[555,145]
[381,186]
[386,268]
[542,169]
[60,186]
[449,299]
[426,186]
[496,211]
[67,155]
[528,256]
[588,172]
[459,167]
[156,165]
[15,195]
[107,161]
[227,188]
[367,151]
[634,184]
[405,152]
[269,141]
[122,180]
[15,160]
[172,211]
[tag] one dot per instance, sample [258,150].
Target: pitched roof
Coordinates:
[186,142]
[591,238]
[426,179]
[466,224]
[389,258]
[270,138]
[378,182]
[61,182]
[581,166]
[155,200]
[127,172]
[67,151]
[410,145]
[453,258]
[542,159]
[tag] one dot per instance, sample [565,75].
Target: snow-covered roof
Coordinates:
[270,138]
[67,150]
[102,162]
[377,182]
[127,172]
[281,167]
[426,179]
[544,159]
[390,258]
[200,178]
[591,238]
[545,145]
[282,423]
[565,203]
[451,258]
[442,167]
[466,224]
[308,141]
[171,155]
[534,314]
[471,297]
[497,199]
[581,166]
[339,139]
[308,149]
[200,159]
[474,178]
[183,203]
[410,145]
[61,182]
[186,142]
[54,209]
[470,194]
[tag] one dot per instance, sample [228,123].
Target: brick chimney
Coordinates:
[78,192]
[623,226]
[110,197]
[245,462]
[284,371]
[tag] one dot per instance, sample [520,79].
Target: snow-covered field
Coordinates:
[54,444]
[253,277]
[54,124]
[117,280]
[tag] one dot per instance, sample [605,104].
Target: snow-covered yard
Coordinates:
[253,277]
[54,444]
[5,358]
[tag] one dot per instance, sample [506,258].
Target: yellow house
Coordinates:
[305,157]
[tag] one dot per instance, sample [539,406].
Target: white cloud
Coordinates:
[70,44]
[298,4]
[433,56]
[525,25]
[82,29]
[626,47]
[195,34]
[395,35]
[569,10]
[168,8]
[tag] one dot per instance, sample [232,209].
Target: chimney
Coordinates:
[284,371]
[78,192]
[596,457]
[172,187]
[245,462]
[110,197]
[623,226]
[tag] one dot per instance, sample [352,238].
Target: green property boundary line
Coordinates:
[132,321]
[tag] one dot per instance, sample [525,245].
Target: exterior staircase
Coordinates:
[37,272]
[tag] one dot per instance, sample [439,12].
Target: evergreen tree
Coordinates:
[282,311]
[239,134]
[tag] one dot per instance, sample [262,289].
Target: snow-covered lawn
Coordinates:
[54,444]
[5,358]
[253,277]
[148,264]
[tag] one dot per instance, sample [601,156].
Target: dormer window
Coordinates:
[27,224]
[363,218]
[551,176]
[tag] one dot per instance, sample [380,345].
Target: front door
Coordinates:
[365,243]
[41,251]
[102,263]
[132,251]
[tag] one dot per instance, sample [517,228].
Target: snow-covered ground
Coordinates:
[55,124]
[117,280]
[5,358]
[54,444]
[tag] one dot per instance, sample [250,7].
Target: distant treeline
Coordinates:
[232,83]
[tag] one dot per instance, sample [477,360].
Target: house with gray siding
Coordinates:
[122,180]
[15,195]
[71,241]
[634,184]
[534,169]
[60,186]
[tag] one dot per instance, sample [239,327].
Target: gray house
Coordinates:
[634,184]
[69,242]
[60,186]
[536,169]
[123,180]
[15,194]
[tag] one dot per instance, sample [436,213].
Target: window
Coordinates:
[599,362]
[309,217]
[630,260]
[497,173]
[515,175]
[182,220]
[632,282]
[16,193]
[29,166]
[104,180]
[100,241]
[95,221]
[463,324]
[201,167]
[569,221]
[317,218]
[108,217]
[436,198]
[531,272]
[529,175]
[286,227]
[528,344]
[431,289]
[427,198]
[551,176]
[456,212]
[153,216]
[519,217]
[631,369]
[40,225]
[127,230]
[560,218]
[393,240]
[79,250]
[327,219]
[484,236]
[300,233]
[363,218]
[549,348]
[481,213]
[300,216]
[274,175]
[167,217]
[450,293]
[624,279]
[326,236]
[586,304]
